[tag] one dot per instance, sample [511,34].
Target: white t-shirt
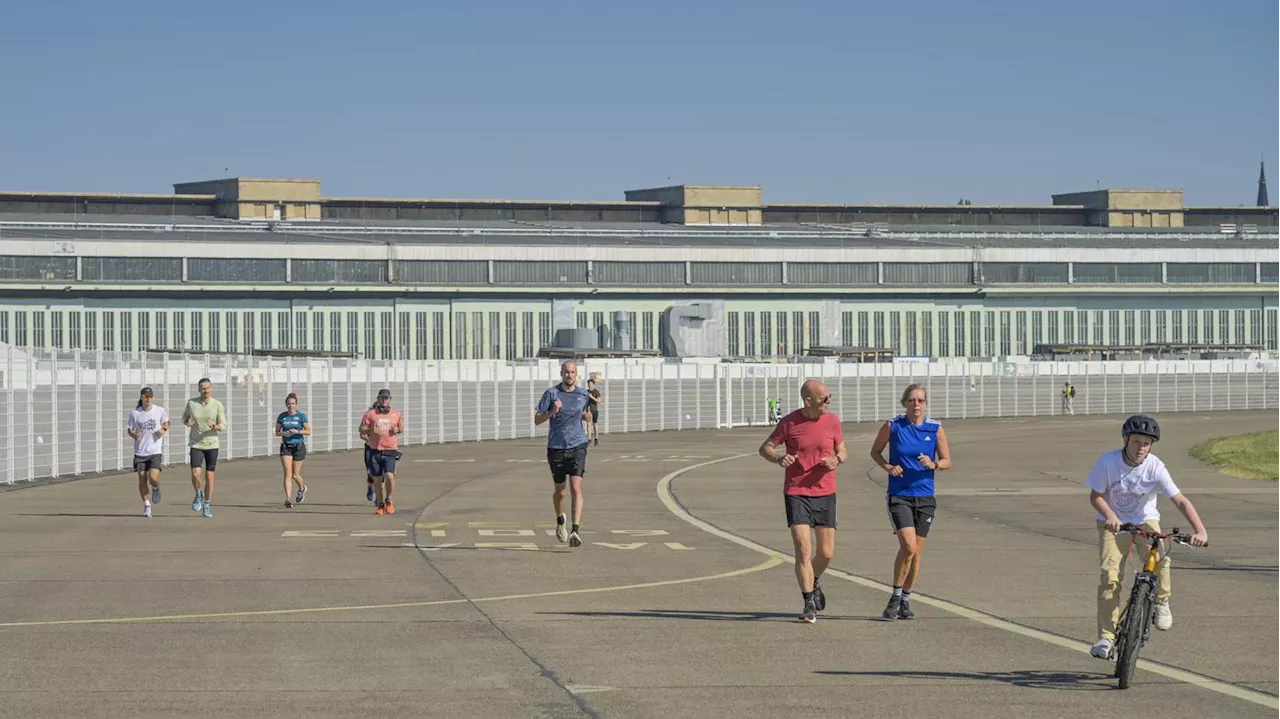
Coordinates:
[147,422]
[1131,491]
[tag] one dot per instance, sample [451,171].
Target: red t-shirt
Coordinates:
[810,441]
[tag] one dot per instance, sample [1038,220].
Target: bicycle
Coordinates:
[1139,615]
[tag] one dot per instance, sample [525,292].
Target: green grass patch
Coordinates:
[1250,456]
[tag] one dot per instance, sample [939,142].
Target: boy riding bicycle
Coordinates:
[1123,486]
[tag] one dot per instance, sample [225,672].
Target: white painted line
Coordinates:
[668,499]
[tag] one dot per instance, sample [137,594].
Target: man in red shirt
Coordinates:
[380,428]
[809,443]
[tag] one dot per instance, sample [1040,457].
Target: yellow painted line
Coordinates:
[668,499]
[768,564]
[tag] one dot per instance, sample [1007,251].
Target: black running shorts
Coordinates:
[147,463]
[566,463]
[296,450]
[207,458]
[914,512]
[812,511]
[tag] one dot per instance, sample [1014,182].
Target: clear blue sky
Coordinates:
[1000,101]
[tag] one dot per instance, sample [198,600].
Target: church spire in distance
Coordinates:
[1263,200]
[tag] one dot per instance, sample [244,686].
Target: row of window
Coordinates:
[513,335]
[376,334]
[975,333]
[504,272]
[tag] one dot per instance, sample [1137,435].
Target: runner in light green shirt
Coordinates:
[205,418]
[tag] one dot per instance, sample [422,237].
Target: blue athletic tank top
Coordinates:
[907,442]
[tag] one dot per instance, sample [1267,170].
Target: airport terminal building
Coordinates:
[240,265]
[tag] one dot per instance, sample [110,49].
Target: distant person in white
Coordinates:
[1122,489]
[148,424]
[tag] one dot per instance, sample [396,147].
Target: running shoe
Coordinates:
[895,605]
[562,529]
[146,511]
[809,614]
[207,511]
[302,495]
[368,493]
[288,503]
[380,510]
[575,540]
[819,599]
[198,502]
[391,507]
[904,610]
[155,494]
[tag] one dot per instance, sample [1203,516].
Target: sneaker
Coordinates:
[809,614]
[155,494]
[562,529]
[819,599]
[207,511]
[1164,617]
[146,511]
[288,503]
[198,502]
[575,540]
[380,510]
[391,506]
[1102,650]
[368,493]
[894,607]
[904,610]
[302,495]
[597,442]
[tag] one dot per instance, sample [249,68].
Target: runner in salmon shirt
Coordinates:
[809,443]
[381,428]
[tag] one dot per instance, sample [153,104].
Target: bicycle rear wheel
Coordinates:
[1129,641]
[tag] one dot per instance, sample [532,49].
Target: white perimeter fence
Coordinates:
[64,414]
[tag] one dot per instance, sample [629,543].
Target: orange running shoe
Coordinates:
[379,510]
[391,507]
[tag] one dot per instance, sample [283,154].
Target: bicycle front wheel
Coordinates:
[1130,639]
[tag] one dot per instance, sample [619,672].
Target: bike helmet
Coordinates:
[1141,424]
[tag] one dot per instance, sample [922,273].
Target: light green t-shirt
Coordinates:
[200,436]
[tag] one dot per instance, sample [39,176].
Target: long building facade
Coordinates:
[503,289]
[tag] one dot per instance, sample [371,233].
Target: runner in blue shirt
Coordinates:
[293,428]
[565,407]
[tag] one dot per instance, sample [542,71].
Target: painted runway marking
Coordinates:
[668,498]
[767,564]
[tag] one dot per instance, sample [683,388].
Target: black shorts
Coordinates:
[814,511]
[914,512]
[147,463]
[595,414]
[566,463]
[298,450]
[207,458]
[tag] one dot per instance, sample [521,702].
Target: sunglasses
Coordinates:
[825,400]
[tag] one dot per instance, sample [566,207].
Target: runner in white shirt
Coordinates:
[148,424]
[1122,488]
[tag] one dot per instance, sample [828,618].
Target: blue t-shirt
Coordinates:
[907,442]
[566,428]
[287,422]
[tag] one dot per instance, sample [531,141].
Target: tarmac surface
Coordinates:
[681,603]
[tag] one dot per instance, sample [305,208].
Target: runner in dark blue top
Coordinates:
[293,428]
[564,406]
[917,448]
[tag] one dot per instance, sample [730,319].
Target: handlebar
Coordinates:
[1176,535]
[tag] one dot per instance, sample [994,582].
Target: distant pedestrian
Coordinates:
[148,425]
[381,428]
[205,417]
[1068,398]
[293,428]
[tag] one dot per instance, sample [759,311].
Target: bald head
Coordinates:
[815,396]
[569,373]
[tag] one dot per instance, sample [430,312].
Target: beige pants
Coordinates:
[1113,552]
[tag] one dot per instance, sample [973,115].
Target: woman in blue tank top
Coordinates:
[917,448]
